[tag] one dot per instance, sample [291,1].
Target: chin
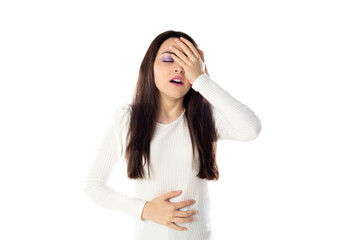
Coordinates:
[178,95]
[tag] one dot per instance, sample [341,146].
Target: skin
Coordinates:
[161,211]
[188,62]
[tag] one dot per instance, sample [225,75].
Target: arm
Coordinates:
[233,119]
[108,154]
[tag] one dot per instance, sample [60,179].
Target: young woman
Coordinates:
[168,137]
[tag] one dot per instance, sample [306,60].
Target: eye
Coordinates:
[168,59]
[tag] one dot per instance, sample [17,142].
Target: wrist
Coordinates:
[197,76]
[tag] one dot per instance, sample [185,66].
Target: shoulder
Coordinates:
[122,115]
[122,110]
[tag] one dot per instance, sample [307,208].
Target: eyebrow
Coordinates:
[168,52]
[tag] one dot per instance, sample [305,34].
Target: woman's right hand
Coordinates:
[161,211]
[203,59]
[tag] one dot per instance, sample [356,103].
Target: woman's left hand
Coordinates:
[191,62]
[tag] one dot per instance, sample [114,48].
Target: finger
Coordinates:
[178,60]
[176,227]
[186,49]
[201,54]
[183,204]
[179,54]
[183,220]
[171,194]
[185,213]
[200,51]
[190,45]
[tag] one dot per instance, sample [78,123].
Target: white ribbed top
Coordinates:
[172,166]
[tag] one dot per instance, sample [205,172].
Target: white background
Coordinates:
[66,65]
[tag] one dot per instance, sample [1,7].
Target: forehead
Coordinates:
[166,44]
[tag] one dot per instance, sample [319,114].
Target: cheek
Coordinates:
[158,76]
[160,72]
[157,69]
[156,73]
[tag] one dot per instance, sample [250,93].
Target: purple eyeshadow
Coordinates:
[167,59]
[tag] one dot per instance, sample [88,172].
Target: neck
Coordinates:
[169,109]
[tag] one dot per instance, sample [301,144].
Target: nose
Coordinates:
[179,68]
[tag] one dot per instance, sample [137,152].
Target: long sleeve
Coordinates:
[233,119]
[108,154]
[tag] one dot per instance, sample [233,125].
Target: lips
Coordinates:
[179,78]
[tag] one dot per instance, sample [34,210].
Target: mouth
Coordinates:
[178,80]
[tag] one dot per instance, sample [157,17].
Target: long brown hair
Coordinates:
[144,108]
